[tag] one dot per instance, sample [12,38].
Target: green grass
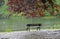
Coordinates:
[19,23]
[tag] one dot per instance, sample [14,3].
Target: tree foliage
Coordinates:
[1,2]
[33,8]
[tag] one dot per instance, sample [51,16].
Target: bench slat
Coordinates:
[33,25]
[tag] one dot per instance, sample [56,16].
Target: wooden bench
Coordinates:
[31,25]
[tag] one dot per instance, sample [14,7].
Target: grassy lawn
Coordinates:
[19,23]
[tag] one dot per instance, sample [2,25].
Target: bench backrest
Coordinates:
[33,25]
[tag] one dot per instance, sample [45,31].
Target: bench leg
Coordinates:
[38,28]
[28,28]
